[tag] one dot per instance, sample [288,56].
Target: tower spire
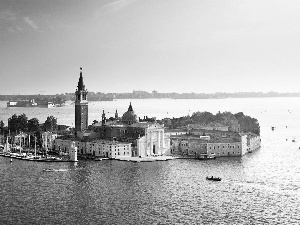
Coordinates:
[80,86]
[81,105]
[116,115]
[130,108]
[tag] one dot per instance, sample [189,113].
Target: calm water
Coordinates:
[259,188]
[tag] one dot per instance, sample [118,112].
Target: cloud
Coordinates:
[30,22]
[116,5]
[7,15]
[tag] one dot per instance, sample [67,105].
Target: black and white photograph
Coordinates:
[149,112]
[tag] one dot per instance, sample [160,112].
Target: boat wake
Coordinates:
[55,170]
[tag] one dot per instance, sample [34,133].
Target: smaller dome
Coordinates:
[129,117]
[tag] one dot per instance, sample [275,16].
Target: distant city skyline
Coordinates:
[168,46]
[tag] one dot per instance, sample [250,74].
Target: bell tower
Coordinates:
[81,106]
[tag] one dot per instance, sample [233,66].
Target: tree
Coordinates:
[13,123]
[23,122]
[248,124]
[33,125]
[202,117]
[17,123]
[1,126]
[50,124]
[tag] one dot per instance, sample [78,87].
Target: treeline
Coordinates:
[236,122]
[98,96]
[21,123]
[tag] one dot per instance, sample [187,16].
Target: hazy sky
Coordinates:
[164,45]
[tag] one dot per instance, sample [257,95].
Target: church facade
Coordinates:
[147,138]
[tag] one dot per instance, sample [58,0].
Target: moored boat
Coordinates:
[207,156]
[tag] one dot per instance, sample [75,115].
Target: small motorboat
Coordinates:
[214,178]
[55,170]
[49,170]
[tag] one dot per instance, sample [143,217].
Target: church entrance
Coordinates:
[154,149]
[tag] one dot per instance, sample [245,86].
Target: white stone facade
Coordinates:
[48,139]
[154,143]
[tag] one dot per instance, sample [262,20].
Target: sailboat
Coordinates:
[35,157]
[6,147]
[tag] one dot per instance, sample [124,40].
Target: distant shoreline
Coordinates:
[59,98]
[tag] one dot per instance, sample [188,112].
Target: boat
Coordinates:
[214,178]
[207,156]
[54,170]
[49,170]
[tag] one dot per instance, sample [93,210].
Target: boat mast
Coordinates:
[35,146]
[20,143]
[29,142]
[46,143]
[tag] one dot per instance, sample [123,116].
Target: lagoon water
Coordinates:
[259,188]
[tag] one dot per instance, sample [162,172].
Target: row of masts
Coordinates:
[7,148]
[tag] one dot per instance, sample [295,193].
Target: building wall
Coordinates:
[196,147]
[108,149]
[225,149]
[254,142]
[47,140]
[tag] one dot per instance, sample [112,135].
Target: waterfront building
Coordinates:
[116,137]
[147,138]
[219,143]
[73,152]
[81,106]
[253,142]
[47,140]
[94,148]
[155,142]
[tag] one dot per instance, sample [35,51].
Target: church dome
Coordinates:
[129,117]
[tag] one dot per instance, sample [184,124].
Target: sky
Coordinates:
[201,46]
